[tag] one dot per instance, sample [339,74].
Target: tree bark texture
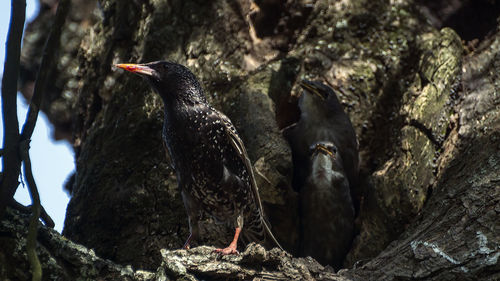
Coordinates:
[426,112]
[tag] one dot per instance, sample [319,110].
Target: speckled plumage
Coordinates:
[325,157]
[213,171]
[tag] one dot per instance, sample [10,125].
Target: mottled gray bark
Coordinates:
[426,113]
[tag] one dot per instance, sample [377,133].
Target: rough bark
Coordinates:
[426,112]
[65,260]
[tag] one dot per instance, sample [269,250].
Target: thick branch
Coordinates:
[11,160]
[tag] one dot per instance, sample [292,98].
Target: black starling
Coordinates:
[214,173]
[322,118]
[326,207]
[325,158]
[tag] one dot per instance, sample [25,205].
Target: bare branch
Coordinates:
[47,220]
[36,268]
[49,52]
[47,59]
[11,160]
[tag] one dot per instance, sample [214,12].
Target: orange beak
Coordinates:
[136,68]
[321,148]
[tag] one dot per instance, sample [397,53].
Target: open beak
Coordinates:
[136,68]
[321,148]
[313,89]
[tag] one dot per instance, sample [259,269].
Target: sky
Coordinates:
[52,162]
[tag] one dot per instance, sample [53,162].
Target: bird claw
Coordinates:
[227,251]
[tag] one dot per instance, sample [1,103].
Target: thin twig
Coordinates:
[11,161]
[36,268]
[49,52]
[51,45]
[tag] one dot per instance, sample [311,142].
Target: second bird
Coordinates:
[325,159]
[214,173]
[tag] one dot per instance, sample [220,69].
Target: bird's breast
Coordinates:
[325,171]
[196,145]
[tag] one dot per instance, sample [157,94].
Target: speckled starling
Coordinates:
[214,173]
[325,157]
[326,207]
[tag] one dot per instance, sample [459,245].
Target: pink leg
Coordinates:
[186,245]
[231,249]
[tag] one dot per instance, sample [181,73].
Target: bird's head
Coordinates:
[316,94]
[324,147]
[326,162]
[315,88]
[172,81]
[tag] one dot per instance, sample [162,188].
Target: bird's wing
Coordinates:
[237,144]
[168,156]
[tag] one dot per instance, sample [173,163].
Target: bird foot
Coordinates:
[230,250]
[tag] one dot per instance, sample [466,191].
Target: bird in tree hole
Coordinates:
[214,173]
[325,159]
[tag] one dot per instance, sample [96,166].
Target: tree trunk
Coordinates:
[426,112]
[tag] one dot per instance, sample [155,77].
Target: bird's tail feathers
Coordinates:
[269,233]
[258,230]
